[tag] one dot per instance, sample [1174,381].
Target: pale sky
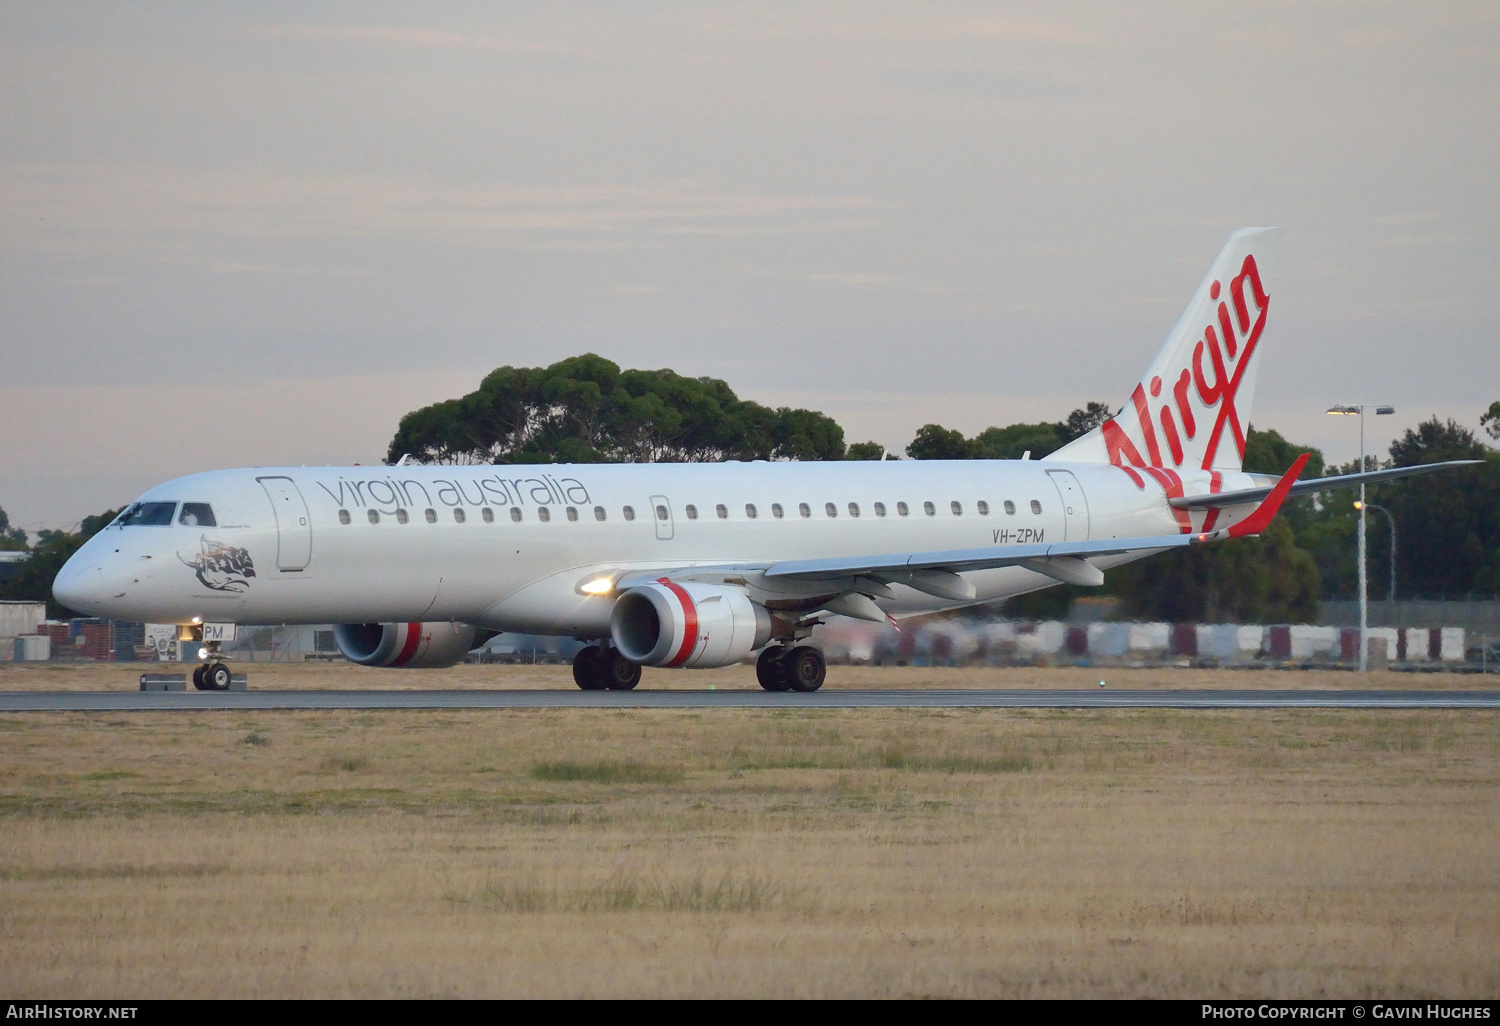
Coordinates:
[239,234]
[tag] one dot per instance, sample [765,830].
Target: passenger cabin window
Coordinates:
[401,516]
[487,515]
[880,509]
[1010,508]
[344,516]
[983,507]
[373,515]
[515,514]
[902,509]
[804,509]
[957,508]
[661,513]
[854,509]
[1036,507]
[929,509]
[750,511]
[459,516]
[148,514]
[599,513]
[777,511]
[722,510]
[543,514]
[573,513]
[829,509]
[431,515]
[197,514]
[691,511]
[628,512]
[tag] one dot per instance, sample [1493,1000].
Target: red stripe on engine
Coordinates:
[413,639]
[689,622]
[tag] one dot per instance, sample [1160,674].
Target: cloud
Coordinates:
[69,206]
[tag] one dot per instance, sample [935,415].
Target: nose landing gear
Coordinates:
[597,668]
[211,677]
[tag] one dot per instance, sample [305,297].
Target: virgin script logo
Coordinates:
[1201,392]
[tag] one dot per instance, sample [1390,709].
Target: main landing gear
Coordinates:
[596,668]
[781,668]
[211,677]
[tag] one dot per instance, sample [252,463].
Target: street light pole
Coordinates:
[1391,520]
[1364,601]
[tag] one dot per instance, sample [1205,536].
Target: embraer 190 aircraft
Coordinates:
[700,565]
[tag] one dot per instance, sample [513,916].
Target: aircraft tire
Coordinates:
[216,676]
[198,682]
[620,674]
[771,669]
[805,668]
[588,668]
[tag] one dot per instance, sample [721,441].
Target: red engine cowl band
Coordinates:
[404,645]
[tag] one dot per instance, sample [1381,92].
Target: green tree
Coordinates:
[12,539]
[935,442]
[33,581]
[1490,420]
[865,451]
[1448,523]
[587,410]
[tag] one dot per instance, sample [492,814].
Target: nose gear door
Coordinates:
[1075,505]
[293,525]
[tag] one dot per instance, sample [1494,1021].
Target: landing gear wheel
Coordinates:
[198,677]
[216,677]
[771,669]
[620,674]
[805,668]
[588,668]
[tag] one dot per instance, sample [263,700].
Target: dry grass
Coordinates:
[740,852]
[341,676]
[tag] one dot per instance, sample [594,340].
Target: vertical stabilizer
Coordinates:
[1191,408]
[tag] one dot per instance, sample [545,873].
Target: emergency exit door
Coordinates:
[293,525]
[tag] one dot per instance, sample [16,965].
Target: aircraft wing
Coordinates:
[957,560]
[1315,484]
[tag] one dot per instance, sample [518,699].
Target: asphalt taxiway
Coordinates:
[151,701]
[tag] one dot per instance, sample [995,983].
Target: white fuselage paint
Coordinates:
[525,575]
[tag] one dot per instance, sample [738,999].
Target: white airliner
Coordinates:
[700,565]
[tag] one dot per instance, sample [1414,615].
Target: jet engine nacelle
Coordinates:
[406,645]
[693,625]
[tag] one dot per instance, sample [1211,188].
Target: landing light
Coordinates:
[203,653]
[197,619]
[600,586]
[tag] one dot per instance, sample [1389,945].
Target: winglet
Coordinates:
[1257,521]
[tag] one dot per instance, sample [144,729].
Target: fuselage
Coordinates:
[508,547]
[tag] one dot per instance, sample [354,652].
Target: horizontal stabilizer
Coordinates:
[1315,484]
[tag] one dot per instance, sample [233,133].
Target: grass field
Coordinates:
[746,852]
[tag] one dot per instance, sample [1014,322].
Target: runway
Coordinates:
[152,701]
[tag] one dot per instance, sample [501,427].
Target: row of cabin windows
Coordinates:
[831,510]
[486,514]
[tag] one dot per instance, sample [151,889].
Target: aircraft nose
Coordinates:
[80,584]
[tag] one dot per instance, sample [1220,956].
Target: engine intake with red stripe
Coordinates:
[406,645]
[691,625]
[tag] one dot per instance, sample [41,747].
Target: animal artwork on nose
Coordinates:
[221,567]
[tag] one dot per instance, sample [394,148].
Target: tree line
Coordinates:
[588,410]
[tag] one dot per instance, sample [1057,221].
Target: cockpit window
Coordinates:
[148,514]
[197,514]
